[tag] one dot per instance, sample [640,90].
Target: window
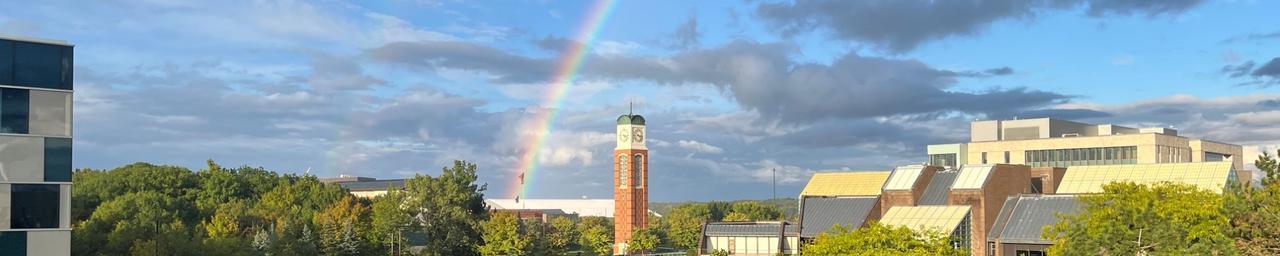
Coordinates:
[942,159]
[1029,253]
[49,113]
[34,206]
[984,157]
[1081,156]
[13,243]
[14,108]
[637,166]
[1006,157]
[57,159]
[41,65]
[6,62]
[1215,157]
[623,179]
[1037,185]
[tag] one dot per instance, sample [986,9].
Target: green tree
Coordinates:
[392,217]
[116,224]
[596,235]
[564,233]
[685,224]
[451,207]
[502,236]
[880,239]
[338,225]
[643,240]
[1136,219]
[1255,212]
[753,211]
[719,209]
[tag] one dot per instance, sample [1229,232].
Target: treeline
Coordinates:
[146,209]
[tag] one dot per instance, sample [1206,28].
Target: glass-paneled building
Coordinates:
[1048,142]
[35,146]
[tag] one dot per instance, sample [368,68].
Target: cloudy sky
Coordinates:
[731,89]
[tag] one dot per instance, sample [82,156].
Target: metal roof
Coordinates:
[939,186]
[858,183]
[1212,176]
[34,40]
[823,213]
[378,185]
[750,229]
[904,177]
[972,176]
[944,219]
[1023,218]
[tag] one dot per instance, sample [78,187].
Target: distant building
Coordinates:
[848,199]
[580,207]
[365,187]
[35,146]
[750,238]
[1047,142]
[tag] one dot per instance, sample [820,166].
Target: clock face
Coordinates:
[639,134]
[622,137]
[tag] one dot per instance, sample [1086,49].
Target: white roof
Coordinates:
[904,177]
[582,207]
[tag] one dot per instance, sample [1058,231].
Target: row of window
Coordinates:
[626,171]
[1082,156]
[35,65]
[942,159]
[36,112]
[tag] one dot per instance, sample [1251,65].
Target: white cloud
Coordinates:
[699,146]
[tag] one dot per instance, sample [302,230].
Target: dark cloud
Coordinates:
[1271,69]
[686,36]
[1239,70]
[1263,76]
[338,73]
[1253,37]
[509,68]
[760,77]
[554,43]
[900,26]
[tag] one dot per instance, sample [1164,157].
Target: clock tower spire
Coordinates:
[630,181]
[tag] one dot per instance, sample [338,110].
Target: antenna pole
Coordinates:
[775,184]
[631,107]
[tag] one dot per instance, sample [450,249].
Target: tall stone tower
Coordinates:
[630,181]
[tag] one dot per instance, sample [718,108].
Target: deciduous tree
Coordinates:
[1137,219]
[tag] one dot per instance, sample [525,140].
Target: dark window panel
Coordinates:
[14,110]
[68,68]
[34,206]
[57,159]
[6,62]
[39,65]
[13,243]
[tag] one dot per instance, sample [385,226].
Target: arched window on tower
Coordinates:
[623,179]
[638,167]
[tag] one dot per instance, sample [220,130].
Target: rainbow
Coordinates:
[566,70]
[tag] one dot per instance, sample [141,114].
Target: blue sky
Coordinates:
[731,89]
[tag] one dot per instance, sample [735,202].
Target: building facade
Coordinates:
[1047,142]
[630,181]
[764,238]
[35,146]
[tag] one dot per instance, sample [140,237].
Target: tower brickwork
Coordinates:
[630,181]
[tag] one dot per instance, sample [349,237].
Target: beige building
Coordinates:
[1047,142]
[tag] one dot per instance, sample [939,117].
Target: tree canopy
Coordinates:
[880,239]
[1138,219]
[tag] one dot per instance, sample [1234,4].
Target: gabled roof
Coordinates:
[904,177]
[972,176]
[1024,217]
[944,219]
[771,228]
[822,213]
[859,183]
[939,187]
[1089,179]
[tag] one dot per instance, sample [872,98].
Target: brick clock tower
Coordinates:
[630,181]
